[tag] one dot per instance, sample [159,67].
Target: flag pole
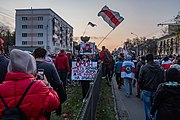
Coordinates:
[105,37]
[85,30]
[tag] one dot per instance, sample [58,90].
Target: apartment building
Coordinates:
[42,28]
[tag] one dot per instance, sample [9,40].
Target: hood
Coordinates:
[61,54]
[172,87]
[21,61]
[143,62]
[153,67]
[128,58]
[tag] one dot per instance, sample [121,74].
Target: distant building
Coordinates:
[42,28]
[168,44]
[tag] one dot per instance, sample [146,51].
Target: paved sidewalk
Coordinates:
[131,108]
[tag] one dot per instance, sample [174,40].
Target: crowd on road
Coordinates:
[33,85]
[157,81]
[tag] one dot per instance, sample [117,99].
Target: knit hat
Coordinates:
[21,61]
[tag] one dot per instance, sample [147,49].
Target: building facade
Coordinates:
[42,28]
[168,44]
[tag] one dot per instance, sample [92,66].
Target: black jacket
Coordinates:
[3,67]
[150,76]
[138,66]
[167,102]
[50,73]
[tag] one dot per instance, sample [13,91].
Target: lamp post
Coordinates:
[137,43]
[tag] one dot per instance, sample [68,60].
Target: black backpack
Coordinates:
[107,57]
[15,113]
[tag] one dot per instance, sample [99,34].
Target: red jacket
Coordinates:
[61,62]
[39,98]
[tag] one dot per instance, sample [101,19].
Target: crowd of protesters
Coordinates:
[23,68]
[157,81]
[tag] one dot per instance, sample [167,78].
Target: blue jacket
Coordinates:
[118,66]
[3,67]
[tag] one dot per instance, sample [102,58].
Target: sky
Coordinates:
[140,17]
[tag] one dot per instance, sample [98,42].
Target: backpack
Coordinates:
[107,57]
[15,113]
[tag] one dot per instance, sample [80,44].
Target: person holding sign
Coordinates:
[85,83]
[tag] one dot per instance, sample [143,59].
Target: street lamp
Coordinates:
[137,43]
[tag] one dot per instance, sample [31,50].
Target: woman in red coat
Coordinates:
[21,72]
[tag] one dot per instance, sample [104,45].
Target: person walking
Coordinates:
[62,65]
[167,97]
[3,65]
[85,84]
[150,76]
[128,73]
[50,73]
[138,66]
[105,57]
[117,69]
[21,72]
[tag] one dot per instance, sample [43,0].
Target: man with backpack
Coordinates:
[106,59]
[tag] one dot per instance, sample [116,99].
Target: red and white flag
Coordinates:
[111,17]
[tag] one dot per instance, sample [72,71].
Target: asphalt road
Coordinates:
[131,108]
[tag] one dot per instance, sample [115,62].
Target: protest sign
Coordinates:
[84,70]
[87,48]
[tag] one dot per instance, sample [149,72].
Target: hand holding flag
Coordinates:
[111,17]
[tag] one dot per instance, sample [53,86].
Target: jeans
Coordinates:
[128,86]
[147,97]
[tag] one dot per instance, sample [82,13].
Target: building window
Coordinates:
[40,42]
[24,26]
[24,18]
[24,34]
[40,26]
[24,42]
[40,18]
[40,34]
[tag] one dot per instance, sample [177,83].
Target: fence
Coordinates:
[88,109]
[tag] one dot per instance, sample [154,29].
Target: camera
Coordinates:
[40,74]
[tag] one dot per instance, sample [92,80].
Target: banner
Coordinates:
[84,70]
[87,48]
